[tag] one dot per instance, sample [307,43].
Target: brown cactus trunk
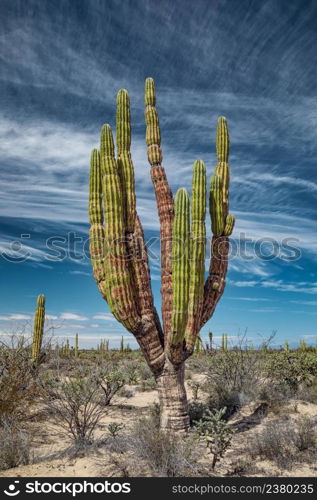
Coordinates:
[173,400]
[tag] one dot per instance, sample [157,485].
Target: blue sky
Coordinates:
[62,63]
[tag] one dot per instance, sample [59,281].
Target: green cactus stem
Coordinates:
[121,344]
[216,205]
[38,328]
[181,269]
[197,253]
[124,161]
[76,346]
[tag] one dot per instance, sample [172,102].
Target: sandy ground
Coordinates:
[50,441]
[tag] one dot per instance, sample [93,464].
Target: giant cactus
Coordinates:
[119,256]
[38,327]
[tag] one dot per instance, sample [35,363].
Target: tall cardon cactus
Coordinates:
[119,255]
[38,327]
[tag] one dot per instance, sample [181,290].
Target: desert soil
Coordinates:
[50,443]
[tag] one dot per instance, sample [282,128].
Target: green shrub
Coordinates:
[293,368]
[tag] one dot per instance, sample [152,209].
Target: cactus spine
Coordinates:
[119,255]
[38,328]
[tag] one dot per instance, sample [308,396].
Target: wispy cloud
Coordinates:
[250,299]
[305,302]
[16,317]
[73,316]
[104,316]
[301,286]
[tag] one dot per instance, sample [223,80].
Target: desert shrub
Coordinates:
[305,433]
[76,405]
[155,413]
[125,393]
[144,371]
[233,378]
[273,443]
[276,393]
[216,432]
[15,446]
[147,384]
[17,380]
[164,454]
[281,441]
[308,392]
[292,367]
[131,373]
[110,380]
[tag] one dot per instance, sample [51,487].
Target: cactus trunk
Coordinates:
[172,396]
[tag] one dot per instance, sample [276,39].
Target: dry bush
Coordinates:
[125,393]
[308,392]
[276,394]
[283,441]
[15,446]
[164,455]
[76,405]
[233,378]
[110,380]
[18,388]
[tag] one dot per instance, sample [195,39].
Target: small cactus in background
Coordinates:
[302,345]
[224,342]
[38,328]
[76,345]
[210,340]
[286,346]
[120,260]
[121,344]
[198,344]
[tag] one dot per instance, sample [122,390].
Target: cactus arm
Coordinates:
[124,160]
[222,225]
[216,205]
[38,327]
[123,281]
[136,248]
[164,199]
[197,256]
[180,274]
[137,253]
[119,289]
[96,232]
[229,225]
